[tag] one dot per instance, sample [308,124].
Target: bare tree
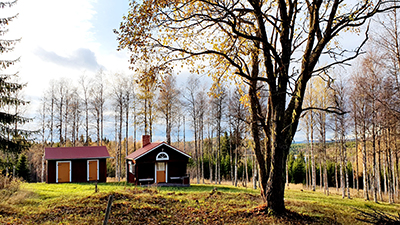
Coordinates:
[237,112]
[168,102]
[340,99]
[86,95]
[75,110]
[190,95]
[97,104]
[118,94]
[219,95]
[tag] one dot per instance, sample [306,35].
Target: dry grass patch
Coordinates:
[198,204]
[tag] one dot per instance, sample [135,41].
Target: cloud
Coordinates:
[81,58]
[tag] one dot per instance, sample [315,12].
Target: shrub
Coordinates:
[8,186]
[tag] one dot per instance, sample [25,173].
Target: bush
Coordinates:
[8,186]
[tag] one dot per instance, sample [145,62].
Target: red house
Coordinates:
[157,163]
[76,164]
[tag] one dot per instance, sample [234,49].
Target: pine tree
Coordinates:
[22,167]
[12,138]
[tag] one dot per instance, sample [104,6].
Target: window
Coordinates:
[131,167]
[162,156]
[161,166]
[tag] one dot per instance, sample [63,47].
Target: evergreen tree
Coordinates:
[22,167]
[12,138]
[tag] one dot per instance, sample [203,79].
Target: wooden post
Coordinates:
[110,200]
[95,188]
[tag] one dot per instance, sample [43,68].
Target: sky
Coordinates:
[66,39]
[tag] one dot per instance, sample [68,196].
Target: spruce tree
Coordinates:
[13,139]
[22,168]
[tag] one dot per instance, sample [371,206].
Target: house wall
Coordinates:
[145,170]
[51,171]
[78,170]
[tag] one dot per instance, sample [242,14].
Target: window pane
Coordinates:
[160,166]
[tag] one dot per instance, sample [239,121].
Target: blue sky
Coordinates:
[66,39]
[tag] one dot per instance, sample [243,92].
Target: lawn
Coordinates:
[40,203]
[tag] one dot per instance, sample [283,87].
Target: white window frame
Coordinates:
[131,167]
[162,153]
[70,170]
[87,166]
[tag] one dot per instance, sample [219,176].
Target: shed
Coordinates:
[157,163]
[76,164]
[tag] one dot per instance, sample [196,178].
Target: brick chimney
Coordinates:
[145,140]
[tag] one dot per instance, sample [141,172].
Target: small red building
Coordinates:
[76,164]
[157,163]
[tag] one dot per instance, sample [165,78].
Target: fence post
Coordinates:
[108,210]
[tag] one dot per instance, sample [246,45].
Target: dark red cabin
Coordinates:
[157,163]
[76,164]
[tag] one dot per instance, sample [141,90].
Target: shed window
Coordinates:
[131,167]
[162,156]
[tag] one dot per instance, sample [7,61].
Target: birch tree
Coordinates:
[168,104]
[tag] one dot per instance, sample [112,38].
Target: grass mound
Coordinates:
[198,204]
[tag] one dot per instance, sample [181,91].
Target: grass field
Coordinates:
[40,203]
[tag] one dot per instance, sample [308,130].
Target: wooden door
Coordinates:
[160,172]
[63,172]
[92,170]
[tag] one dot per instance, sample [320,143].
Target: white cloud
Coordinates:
[81,58]
[59,40]
[54,25]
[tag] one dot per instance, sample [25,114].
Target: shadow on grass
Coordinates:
[291,217]
[377,217]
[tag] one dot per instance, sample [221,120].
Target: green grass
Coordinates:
[41,203]
[340,210]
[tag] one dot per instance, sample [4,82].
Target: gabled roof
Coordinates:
[150,147]
[85,152]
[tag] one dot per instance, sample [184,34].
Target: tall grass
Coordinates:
[8,186]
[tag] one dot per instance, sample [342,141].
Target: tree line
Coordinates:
[363,152]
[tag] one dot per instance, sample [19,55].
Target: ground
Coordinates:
[199,204]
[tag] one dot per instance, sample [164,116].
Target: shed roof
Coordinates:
[85,152]
[150,147]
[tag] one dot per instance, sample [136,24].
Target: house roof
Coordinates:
[85,152]
[150,147]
